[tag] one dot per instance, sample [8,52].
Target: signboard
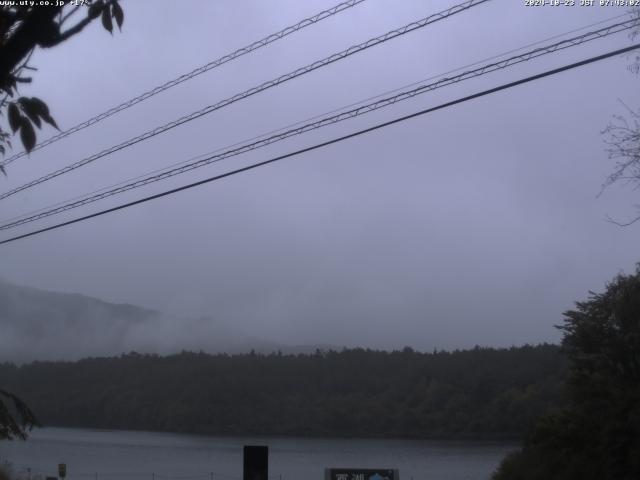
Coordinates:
[361,474]
[62,470]
[256,462]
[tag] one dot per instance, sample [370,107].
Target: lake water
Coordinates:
[126,455]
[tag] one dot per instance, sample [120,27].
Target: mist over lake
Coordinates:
[131,455]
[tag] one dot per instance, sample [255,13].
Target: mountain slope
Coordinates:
[42,325]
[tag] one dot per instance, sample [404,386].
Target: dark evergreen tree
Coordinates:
[597,435]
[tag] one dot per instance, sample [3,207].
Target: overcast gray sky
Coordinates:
[478,224]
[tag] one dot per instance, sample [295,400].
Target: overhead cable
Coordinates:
[330,142]
[252,91]
[194,73]
[345,115]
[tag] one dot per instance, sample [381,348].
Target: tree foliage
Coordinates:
[481,392]
[24,27]
[15,417]
[623,146]
[623,136]
[597,435]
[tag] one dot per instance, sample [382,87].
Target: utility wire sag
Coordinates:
[404,118]
[330,120]
[194,73]
[255,90]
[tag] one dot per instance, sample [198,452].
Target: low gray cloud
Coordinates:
[478,224]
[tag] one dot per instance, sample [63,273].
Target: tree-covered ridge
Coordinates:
[355,392]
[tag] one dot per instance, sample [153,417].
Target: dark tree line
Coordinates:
[473,393]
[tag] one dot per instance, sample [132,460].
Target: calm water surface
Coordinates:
[126,455]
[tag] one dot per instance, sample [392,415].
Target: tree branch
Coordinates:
[621,224]
[35,28]
[71,12]
[77,28]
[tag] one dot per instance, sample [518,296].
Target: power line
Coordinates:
[308,119]
[104,193]
[314,117]
[194,73]
[361,110]
[331,142]
[252,91]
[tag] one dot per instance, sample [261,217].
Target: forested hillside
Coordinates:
[51,323]
[481,392]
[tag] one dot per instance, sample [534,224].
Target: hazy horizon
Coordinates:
[475,225]
[43,319]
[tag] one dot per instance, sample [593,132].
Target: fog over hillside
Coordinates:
[42,325]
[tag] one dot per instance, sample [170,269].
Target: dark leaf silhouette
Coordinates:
[31,110]
[106,20]
[14,117]
[118,14]
[95,9]
[39,106]
[42,110]
[27,134]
